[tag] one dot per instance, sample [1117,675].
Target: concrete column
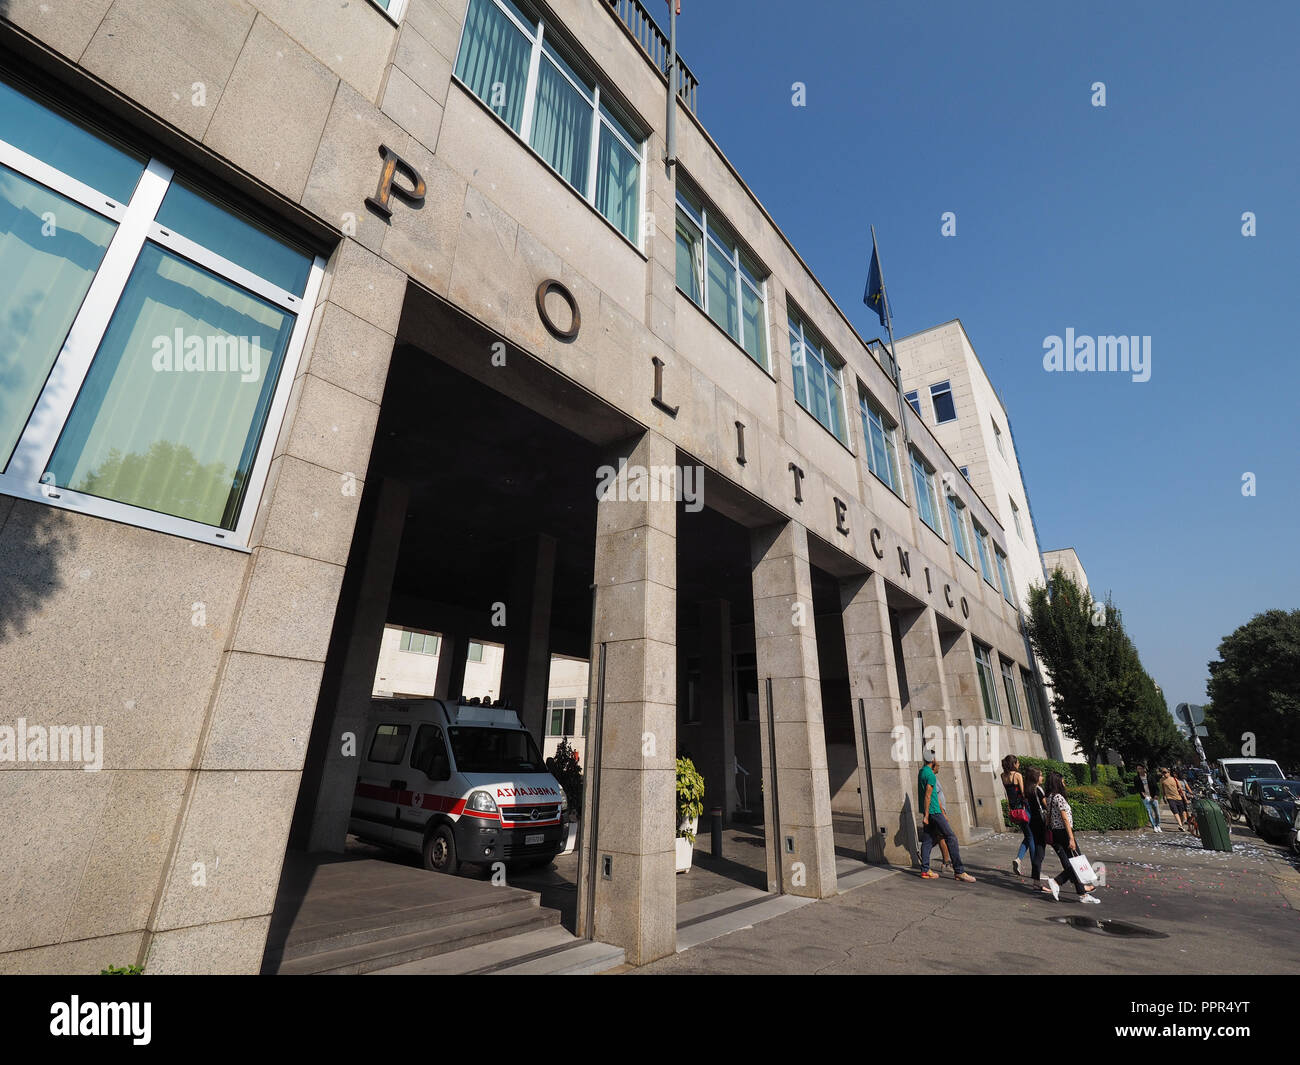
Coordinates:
[449,681]
[927,682]
[629,815]
[966,705]
[717,713]
[877,712]
[786,646]
[526,667]
[330,774]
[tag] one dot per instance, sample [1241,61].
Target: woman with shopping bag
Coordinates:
[1017,810]
[1060,836]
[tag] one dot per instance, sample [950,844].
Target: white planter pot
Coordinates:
[685,848]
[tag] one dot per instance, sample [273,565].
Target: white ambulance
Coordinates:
[459,783]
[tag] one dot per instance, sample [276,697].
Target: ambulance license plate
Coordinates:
[530,840]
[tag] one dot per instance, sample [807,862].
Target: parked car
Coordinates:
[1236,771]
[1270,807]
[1295,832]
[458,783]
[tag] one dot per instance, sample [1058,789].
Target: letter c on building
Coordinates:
[875,544]
[568,336]
[947,594]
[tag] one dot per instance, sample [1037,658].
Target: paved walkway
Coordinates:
[1220,913]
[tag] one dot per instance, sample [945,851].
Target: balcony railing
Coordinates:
[654,42]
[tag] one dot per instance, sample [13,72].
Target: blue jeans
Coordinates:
[1153,811]
[938,829]
[1026,844]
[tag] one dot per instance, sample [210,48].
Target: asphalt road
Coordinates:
[1219,913]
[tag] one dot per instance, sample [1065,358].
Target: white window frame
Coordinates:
[1009,683]
[827,357]
[913,400]
[1004,577]
[997,437]
[992,681]
[22,478]
[957,510]
[536,35]
[873,413]
[983,545]
[1015,517]
[394,11]
[734,254]
[940,388]
[932,493]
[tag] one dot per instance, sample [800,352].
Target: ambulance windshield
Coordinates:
[494,750]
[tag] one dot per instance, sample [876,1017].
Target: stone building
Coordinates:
[325,317]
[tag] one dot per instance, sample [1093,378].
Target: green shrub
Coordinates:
[1126,813]
[1078,773]
[690,796]
[1045,766]
[1092,793]
[122,970]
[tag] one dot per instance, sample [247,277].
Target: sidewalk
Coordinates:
[1218,913]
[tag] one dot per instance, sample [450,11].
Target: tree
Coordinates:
[1255,687]
[1103,697]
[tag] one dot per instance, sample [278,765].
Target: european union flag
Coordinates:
[874,297]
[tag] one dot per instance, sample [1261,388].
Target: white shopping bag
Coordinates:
[1083,870]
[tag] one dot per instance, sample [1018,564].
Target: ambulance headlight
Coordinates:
[482,802]
[564,802]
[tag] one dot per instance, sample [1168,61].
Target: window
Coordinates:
[509,60]
[429,753]
[965,471]
[982,546]
[392,8]
[988,688]
[148,335]
[927,495]
[957,522]
[421,643]
[878,431]
[1009,685]
[720,277]
[475,652]
[389,743]
[1015,516]
[562,717]
[1031,697]
[817,378]
[1002,573]
[944,408]
[913,400]
[997,439]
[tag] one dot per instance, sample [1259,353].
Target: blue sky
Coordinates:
[1117,220]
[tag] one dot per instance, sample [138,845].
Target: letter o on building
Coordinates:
[965,607]
[568,336]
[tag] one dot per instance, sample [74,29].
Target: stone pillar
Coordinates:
[330,774]
[877,712]
[927,683]
[526,668]
[717,714]
[966,705]
[794,739]
[449,681]
[629,816]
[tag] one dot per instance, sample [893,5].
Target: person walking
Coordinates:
[1173,795]
[1147,789]
[1061,828]
[1014,783]
[1034,800]
[1186,792]
[934,822]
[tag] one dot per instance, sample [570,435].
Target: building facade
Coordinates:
[947,385]
[336,318]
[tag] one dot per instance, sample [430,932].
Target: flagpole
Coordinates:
[671,158]
[889,326]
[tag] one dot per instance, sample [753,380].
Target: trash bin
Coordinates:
[1212,825]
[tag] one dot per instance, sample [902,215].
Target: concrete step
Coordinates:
[370,928]
[548,951]
[441,939]
[729,911]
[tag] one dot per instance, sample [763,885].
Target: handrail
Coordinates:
[654,42]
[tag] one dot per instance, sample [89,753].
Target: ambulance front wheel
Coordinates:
[440,851]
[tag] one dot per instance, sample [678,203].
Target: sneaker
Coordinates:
[1015,866]
[965,878]
[1159,829]
[929,874]
[1090,900]
[1055,889]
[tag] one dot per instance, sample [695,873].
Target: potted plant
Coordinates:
[690,804]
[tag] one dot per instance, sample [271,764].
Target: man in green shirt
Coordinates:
[934,822]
